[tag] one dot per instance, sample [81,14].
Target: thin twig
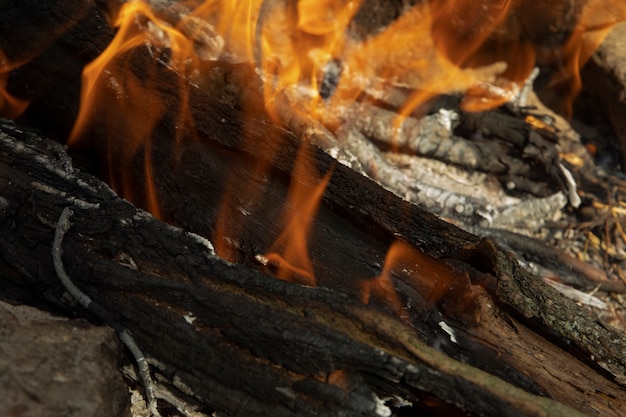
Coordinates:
[63,225]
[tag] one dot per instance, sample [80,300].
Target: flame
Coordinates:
[238,202]
[477,48]
[289,252]
[289,42]
[225,237]
[596,20]
[120,82]
[10,107]
[292,44]
[432,278]
[417,51]
[435,47]
[485,49]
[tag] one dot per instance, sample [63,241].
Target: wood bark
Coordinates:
[257,345]
[323,351]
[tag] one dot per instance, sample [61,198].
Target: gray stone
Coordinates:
[55,367]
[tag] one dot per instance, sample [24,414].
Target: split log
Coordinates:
[324,351]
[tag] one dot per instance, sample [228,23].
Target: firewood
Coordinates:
[222,331]
[107,256]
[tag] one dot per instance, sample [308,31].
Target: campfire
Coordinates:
[291,155]
[341,90]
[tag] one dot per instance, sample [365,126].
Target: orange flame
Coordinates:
[116,82]
[432,277]
[289,252]
[412,53]
[10,107]
[596,20]
[436,47]
[224,239]
[232,211]
[289,43]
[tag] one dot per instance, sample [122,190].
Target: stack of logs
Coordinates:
[232,338]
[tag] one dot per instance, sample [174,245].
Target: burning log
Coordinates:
[221,331]
[116,266]
[406,304]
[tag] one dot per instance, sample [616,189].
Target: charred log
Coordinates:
[240,340]
[152,276]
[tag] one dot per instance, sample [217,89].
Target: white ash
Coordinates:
[381,408]
[101,188]
[126,260]
[189,318]
[287,392]
[529,216]
[203,241]
[577,295]
[449,330]
[114,85]
[570,183]
[83,204]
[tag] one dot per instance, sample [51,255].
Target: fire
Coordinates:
[435,47]
[118,81]
[10,107]
[429,276]
[294,45]
[596,20]
[418,52]
[225,237]
[484,50]
[239,200]
[289,253]
[290,43]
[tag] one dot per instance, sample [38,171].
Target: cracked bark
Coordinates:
[262,346]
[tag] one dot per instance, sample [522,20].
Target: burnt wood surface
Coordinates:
[263,346]
[259,344]
[256,343]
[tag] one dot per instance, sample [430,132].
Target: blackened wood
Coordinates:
[152,276]
[323,350]
[56,39]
